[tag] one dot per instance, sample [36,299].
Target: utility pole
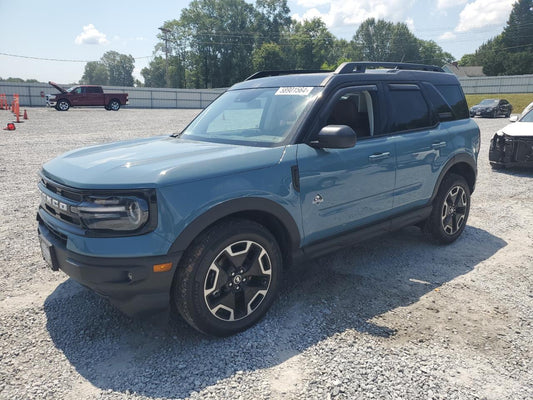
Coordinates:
[165,38]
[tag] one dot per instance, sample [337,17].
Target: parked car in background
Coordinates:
[492,108]
[85,96]
[513,145]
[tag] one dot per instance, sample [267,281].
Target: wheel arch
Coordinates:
[268,213]
[463,165]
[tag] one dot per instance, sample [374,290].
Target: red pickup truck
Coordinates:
[85,95]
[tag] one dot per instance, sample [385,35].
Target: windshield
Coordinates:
[488,102]
[527,117]
[257,117]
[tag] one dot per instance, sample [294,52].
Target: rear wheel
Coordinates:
[228,277]
[114,105]
[450,210]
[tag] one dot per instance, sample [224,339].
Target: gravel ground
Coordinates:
[393,318]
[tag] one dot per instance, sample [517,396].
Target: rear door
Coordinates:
[343,189]
[422,143]
[94,96]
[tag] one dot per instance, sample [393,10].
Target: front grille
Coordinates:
[58,200]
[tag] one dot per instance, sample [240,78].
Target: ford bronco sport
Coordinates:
[282,166]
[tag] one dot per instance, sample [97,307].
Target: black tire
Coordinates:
[107,108]
[63,105]
[228,278]
[450,210]
[114,105]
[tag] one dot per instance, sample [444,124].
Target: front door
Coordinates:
[343,189]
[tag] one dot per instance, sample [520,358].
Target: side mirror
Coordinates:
[513,118]
[335,137]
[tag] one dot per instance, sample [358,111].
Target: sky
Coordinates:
[52,41]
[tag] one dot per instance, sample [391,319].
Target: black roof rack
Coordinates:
[264,74]
[350,67]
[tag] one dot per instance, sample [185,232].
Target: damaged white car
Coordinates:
[513,145]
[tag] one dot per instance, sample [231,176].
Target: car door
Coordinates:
[422,143]
[93,96]
[76,96]
[343,189]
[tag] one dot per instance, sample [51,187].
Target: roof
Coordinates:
[347,73]
[464,72]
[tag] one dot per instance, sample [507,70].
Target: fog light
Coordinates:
[162,267]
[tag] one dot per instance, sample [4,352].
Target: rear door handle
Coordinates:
[439,145]
[379,156]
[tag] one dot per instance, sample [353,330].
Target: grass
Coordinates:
[518,100]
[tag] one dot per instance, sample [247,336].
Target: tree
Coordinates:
[95,74]
[119,67]
[268,57]
[373,40]
[113,69]
[431,53]
[511,52]
[310,44]
[272,20]
[154,74]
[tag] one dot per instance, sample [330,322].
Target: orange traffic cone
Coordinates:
[25,114]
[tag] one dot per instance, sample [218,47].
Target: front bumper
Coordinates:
[511,151]
[129,283]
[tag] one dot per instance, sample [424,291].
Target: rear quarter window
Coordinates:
[456,99]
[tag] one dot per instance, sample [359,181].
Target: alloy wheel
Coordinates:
[454,210]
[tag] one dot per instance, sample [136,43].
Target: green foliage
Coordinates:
[511,52]
[216,43]
[95,74]
[113,69]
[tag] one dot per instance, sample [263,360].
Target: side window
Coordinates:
[92,90]
[455,98]
[355,109]
[439,105]
[409,110]
[77,90]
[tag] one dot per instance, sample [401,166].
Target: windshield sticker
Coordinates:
[293,91]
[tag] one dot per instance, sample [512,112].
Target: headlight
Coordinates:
[117,213]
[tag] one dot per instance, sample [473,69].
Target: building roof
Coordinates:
[464,72]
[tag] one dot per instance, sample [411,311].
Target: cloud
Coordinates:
[481,13]
[447,36]
[342,13]
[443,4]
[90,35]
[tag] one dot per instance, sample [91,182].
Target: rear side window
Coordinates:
[409,110]
[456,99]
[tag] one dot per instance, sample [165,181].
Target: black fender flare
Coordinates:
[459,160]
[241,206]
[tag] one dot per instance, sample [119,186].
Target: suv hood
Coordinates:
[57,87]
[152,162]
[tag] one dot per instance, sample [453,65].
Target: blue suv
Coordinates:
[283,166]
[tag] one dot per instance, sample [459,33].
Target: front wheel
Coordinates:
[114,105]
[450,210]
[63,105]
[228,277]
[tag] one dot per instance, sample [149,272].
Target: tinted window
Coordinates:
[93,90]
[409,109]
[438,103]
[455,98]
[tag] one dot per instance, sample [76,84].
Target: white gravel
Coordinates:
[393,318]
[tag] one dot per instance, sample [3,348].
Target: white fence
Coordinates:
[498,84]
[32,95]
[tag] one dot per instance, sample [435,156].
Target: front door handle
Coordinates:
[379,156]
[439,145]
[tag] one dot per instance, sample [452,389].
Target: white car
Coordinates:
[513,145]
[529,107]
